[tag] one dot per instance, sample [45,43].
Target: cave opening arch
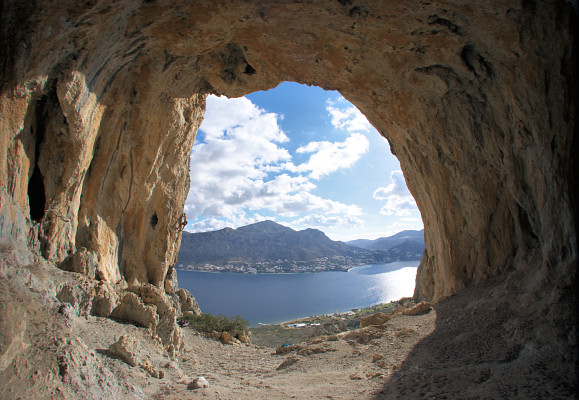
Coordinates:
[304,158]
[483,139]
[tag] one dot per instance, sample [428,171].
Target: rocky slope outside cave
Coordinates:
[270,247]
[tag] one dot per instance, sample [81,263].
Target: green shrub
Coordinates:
[207,323]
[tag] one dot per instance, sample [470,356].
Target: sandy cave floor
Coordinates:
[337,369]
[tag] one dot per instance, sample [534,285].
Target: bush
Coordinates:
[207,323]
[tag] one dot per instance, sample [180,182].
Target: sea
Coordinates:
[275,298]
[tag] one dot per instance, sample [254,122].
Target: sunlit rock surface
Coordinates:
[100,103]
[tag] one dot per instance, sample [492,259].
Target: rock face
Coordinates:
[100,103]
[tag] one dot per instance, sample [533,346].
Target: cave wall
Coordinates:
[101,101]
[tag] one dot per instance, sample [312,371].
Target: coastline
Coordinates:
[294,273]
[275,298]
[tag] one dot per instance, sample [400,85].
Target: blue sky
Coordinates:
[301,156]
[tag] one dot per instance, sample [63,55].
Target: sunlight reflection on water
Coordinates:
[394,285]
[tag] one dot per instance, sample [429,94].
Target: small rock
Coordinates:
[376,357]
[198,383]
[215,335]
[171,350]
[172,365]
[152,371]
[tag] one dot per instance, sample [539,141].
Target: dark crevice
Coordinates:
[36,195]
[451,26]
[154,220]
[36,188]
[475,62]
[249,70]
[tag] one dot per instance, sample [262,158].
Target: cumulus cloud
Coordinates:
[347,117]
[214,224]
[239,167]
[399,201]
[329,221]
[327,157]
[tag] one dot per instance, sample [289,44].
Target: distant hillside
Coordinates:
[386,243]
[270,247]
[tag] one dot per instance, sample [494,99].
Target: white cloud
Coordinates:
[397,187]
[327,157]
[347,117]
[239,167]
[399,201]
[214,224]
[332,221]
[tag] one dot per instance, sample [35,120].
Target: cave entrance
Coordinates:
[310,161]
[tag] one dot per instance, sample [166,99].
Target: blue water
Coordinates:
[274,298]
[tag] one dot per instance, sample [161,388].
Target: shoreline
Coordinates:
[296,273]
[354,312]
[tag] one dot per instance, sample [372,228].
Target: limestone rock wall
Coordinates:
[101,101]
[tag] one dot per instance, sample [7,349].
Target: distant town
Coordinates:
[334,263]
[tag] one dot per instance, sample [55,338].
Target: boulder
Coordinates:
[69,314]
[244,337]
[378,318]
[228,338]
[106,299]
[82,261]
[188,302]
[132,309]
[419,309]
[126,349]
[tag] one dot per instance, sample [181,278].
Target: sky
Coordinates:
[300,156]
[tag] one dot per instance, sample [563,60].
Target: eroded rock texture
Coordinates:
[101,101]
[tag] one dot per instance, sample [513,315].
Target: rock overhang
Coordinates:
[474,100]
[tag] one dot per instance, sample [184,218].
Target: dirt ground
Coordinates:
[335,367]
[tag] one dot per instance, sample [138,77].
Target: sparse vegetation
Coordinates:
[207,323]
[275,335]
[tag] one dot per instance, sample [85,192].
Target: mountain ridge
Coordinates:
[385,243]
[267,246]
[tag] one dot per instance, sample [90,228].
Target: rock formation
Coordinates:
[100,102]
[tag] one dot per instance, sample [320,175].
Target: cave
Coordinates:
[478,102]
[36,196]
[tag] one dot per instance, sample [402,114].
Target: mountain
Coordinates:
[386,243]
[271,247]
[260,242]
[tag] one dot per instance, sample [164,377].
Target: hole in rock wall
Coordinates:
[295,180]
[36,189]
[154,220]
[36,195]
